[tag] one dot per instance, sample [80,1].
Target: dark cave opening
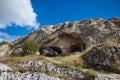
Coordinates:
[50,49]
[77,48]
[57,49]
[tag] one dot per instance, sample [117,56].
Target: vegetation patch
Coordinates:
[30,47]
[90,74]
[111,42]
[66,77]
[53,73]
[3,42]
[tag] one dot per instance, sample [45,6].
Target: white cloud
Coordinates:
[7,37]
[18,12]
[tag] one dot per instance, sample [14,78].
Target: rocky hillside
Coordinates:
[27,68]
[80,50]
[75,36]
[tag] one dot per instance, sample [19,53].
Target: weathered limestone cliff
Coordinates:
[73,36]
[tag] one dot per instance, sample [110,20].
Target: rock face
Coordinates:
[103,57]
[116,21]
[5,50]
[73,36]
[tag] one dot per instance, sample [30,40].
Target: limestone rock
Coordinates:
[26,76]
[5,50]
[4,68]
[112,76]
[103,57]
[116,21]
[50,68]
[6,73]
[80,34]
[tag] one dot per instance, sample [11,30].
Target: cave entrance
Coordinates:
[49,49]
[57,49]
[77,48]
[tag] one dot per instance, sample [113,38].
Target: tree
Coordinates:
[3,42]
[29,47]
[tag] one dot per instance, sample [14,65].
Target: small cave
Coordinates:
[77,48]
[57,49]
[51,51]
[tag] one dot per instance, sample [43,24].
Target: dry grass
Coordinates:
[66,77]
[57,58]
[53,73]
[77,63]
[11,61]
[90,74]
[7,59]
[74,61]
[111,42]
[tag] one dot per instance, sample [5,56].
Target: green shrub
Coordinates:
[3,42]
[29,47]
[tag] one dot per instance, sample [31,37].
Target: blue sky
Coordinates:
[51,12]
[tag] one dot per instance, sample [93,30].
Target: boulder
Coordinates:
[4,68]
[5,50]
[103,57]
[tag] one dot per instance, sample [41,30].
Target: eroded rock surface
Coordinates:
[4,68]
[103,57]
[5,50]
[116,21]
[78,34]
[6,73]
[111,76]
[50,68]
[26,76]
